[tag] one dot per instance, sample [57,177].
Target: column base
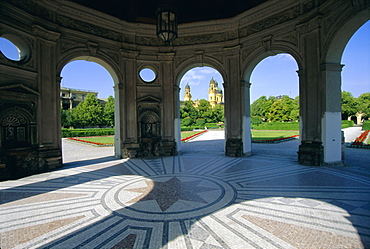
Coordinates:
[20,162]
[311,153]
[234,147]
[149,147]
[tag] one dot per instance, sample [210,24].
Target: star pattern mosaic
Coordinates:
[188,202]
[169,192]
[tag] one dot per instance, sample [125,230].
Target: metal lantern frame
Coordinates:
[167,23]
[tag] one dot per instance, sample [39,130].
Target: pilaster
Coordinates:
[234,108]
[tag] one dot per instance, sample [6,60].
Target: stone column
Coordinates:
[234,101]
[118,119]
[247,135]
[169,103]
[177,127]
[48,118]
[311,150]
[49,87]
[331,120]
[128,105]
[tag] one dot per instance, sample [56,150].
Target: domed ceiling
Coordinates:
[143,11]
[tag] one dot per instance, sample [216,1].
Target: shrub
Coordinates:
[187,121]
[366,125]
[347,123]
[86,132]
[255,121]
[186,129]
[200,122]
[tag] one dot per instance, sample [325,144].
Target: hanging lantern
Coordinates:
[167,23]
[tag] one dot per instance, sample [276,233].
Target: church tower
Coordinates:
[215,95]
[187,94]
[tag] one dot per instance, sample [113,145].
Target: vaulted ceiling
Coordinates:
[143,11]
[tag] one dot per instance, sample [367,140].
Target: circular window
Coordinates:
[13,47]
[9,50]
[147,75]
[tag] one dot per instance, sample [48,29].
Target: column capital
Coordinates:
[176,88]
[243,83]
[331,67]
[118,86]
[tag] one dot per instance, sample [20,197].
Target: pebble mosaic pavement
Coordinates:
[188,201]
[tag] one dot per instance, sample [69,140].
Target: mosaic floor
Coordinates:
[188,201]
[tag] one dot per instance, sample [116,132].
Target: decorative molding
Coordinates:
[201,39]
[130,54]
[45,34]
[290,37]
[359,4]
[92,47]
[85,27]
[166,56]
[271,21]
[266,43]
[199,55]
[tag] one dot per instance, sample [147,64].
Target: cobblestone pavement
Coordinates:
[200,199]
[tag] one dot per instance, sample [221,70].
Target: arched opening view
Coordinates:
[275,107]
[87,111]
[202,111]
[356,77]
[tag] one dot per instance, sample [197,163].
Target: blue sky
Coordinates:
[273,76]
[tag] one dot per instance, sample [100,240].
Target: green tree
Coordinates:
[89,112]
[262,107]
[203,108]
[363,104]
[349,105]
[282,109]
[188,110]
[109,112]
[67,118]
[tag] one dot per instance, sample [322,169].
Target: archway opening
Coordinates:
[356,76]
[87,110]
[202,111]
[275,106]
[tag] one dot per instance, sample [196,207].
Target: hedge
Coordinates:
[347,123]
[366,125]
[277,126]
[87,132]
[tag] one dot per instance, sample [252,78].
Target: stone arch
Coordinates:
[112,67]
[340,36]
[250,63]
[76,54]
[191,63]
[331,68]
[180,71]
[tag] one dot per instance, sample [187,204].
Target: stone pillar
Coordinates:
[247,135]
[49,87]
[234,101]
[118,119]
[312,98]
[169,103]
[177,127]
[48,118]
[331,120]
[128,105]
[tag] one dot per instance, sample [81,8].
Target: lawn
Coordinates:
[269,135]
[256,135]
[185,134]
[100,139]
